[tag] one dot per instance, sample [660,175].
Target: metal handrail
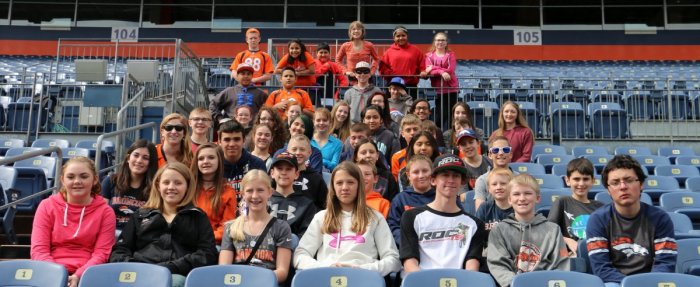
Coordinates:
[100,139]
[120,113]
[31,154]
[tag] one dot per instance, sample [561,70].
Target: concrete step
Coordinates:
[14,252]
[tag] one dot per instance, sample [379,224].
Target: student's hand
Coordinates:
[73,281]
[338,264]
[350,73]
[424,75]
[281,106]
[428,68]
[446,76]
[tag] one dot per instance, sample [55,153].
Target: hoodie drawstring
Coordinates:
[80,222]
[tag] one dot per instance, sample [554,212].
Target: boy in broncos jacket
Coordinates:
[525,241]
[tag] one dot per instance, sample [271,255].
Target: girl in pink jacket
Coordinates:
[75,227]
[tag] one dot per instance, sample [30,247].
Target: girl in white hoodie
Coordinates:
[348,233]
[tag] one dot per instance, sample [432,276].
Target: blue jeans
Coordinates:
[178,280]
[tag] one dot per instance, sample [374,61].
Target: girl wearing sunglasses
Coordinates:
[513,126]
[174,143]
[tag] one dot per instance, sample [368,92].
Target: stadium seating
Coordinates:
[550,160]
[532,116]
[599,161]
[640,104]
[540,149]
[15,151]
[6,144]
[673,152]
[29,181]
[679,172]
[126,274]
[633,150]
[688,260]
[32,273]
[687,203]
[19,114]
[548,197]
[485,115]
[604,197]
[7,217]
[44,163]
[556,278]
[608,120]
[559,169]
[692,184]
[318,277]
[580,151]
[44,143]
[656,185]
[527,167]
[447,277]
[468,204]
[682,226]
[688,160]
[71,152]
[567,120]
[650,162]
[228,275]
[582,252]
[657,279]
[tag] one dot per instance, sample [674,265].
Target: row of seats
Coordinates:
[672,152]
[36,273]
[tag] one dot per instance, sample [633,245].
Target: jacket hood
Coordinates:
[74,213]
[539,219]
[373,195]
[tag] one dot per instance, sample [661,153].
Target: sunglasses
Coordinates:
[362,71]
[178,128]
[495,150]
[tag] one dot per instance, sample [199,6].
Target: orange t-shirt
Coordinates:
[226,212]
[367,54]
[378,203]
[297,95]
[260,61]
[398,161]
[302,81]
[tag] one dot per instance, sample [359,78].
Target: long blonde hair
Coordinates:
[155,201]
[447,42]
[362,215]
[185,146]
[236,229]
[344,126]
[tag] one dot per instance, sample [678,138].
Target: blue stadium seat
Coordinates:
[688,260]
[539,149]
[682,227]
[15,151]
[228,275]
[559,169]
[126,274]
[657,279]
[542,99]
[567,119]
[485,115]
[597,186]
[317,277]
[45,163]
[673,152]
[650,162]
[548,198]
[687,203]
[44,143]
[532,116]
[640,104]
[604,197]
[528,167]
[556,278]
[599,161]
[582,252]
[680,172]
[608,120]
[680,105]
[71,152]
[692,184]
[476,95]
[580,151]
[468,204]
[218,82]
[689,160]
[656,185]
[7,217]
[633,150]
[8,178]
[71,92]
[32,273]
[447,277]
[6,144]
[549,160]
[18,115]
[17,92]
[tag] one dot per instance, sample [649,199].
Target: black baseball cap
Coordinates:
[447,162]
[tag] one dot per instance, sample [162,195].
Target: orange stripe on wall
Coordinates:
[476,52]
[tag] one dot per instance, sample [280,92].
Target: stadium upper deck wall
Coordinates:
[468,44]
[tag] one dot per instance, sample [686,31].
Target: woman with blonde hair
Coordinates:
[216,198]
[248,239]
[74,227]
[174,143]
[513,126]
[357,50]
[340,120]
[328,144]
[261,141]
[440,64]
[348,233]
[168,223]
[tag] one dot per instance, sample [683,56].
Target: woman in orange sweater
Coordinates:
[357,50]
[212,195]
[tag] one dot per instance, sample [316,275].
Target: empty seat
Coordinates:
[580,151]
[133,273]
[673,152]
[640,104]
[549,160]
[6,144]
[650,162]
[15,151]
[227,275]
[597,186]
[341,277]
[542,100]
[548,197]
[682,228]
[567,119]
[688,160]
[658,279]
[45,163]
[549,181]
[688,260]
[555,278]
[692,184]
[44,143]
[484,115]
[599,161]
[559,169]
[656,185]
[679,172]
[72,152]
[633,150]
[687,203]
[447,277]
[32,273]
[19,115]
[527,167]
[532,117]
[679,108]
[539,149]
[608,120]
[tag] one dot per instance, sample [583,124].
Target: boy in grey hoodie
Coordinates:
[525,234]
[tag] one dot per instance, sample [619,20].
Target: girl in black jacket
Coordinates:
[168,230]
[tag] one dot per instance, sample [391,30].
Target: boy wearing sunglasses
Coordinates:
[357,95]
[500,156]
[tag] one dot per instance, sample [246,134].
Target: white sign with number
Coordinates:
[532,37]
[125,34]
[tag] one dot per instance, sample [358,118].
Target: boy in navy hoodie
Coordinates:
[419,193]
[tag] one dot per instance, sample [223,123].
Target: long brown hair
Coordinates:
[519,120]
[279,132]
[185,146]
[155,201]
[362,215]
[219,181]
[122,178]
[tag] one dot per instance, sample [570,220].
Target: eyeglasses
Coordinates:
[628,181]
[264,120]
[422,108]
[496,150]
[200,119]
[363,71]
[178,128]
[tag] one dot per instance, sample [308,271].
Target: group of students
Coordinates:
[340,183]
